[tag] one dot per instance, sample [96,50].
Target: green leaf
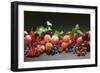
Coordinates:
[77,26]
[61,32]
[75,29]
[58,33]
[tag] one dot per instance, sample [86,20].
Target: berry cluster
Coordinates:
[47,42]
[36,45]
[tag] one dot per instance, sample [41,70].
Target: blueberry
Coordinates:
[56,51]
[52,53]
[55,47]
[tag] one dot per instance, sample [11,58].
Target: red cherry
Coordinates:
[79,39]
[74,38]
[89,36]
[32,34]
[60,42]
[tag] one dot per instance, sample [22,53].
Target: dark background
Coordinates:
[60,21]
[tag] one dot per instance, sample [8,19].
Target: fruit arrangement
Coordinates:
[45,40]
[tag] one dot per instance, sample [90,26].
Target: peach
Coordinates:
[54,39]
[48,45]
[64,45]
[39,48]
[47,38]
[66,38]
[25,33]
[27,41]
[43,47]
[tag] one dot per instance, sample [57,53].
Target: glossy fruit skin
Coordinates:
[86,40]
[35,45]
[48,45]
[48,51]
[54,40]
[74,38]
[88,35]
[33,52]
[42,48]
[82,51]
[42,42]
[66,38]
[47,38]
[74,48]
[39,48]
[79,39]
[27,41]
[64,45]
[32,34]
[60,42]
[53,52]
[25,33]
[54,49]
